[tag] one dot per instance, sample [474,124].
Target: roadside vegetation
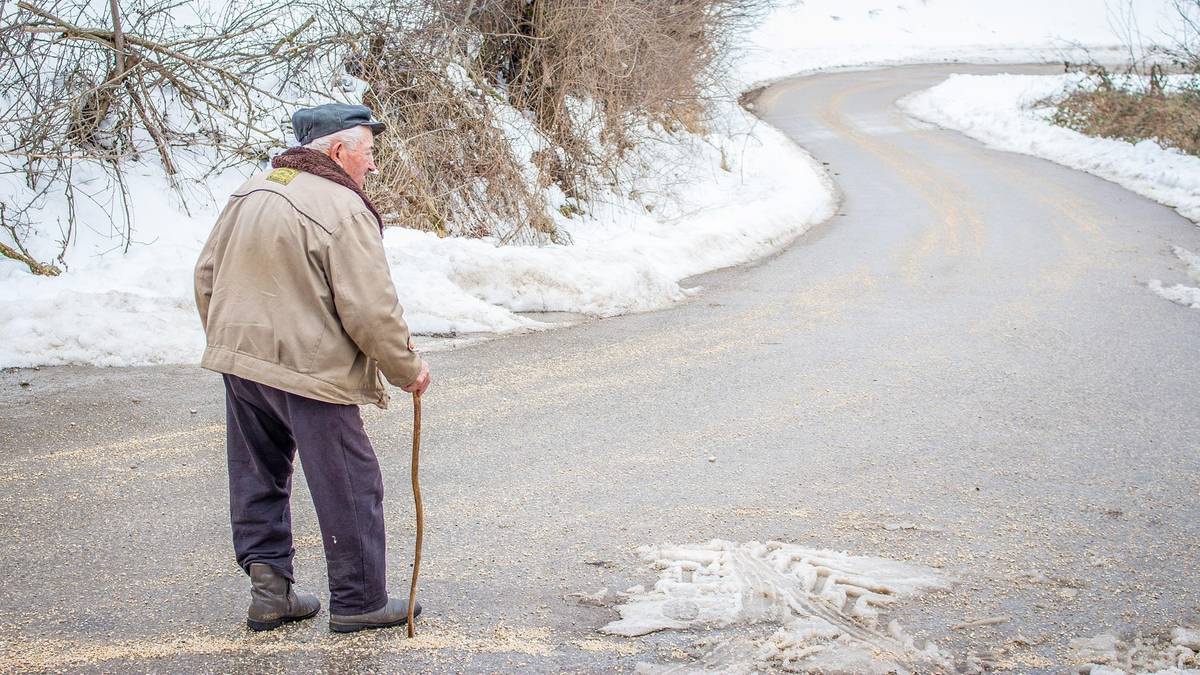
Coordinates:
[504,114]
[1155,97]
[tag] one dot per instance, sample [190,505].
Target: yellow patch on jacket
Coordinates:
[283,176]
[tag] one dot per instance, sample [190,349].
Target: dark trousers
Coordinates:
[265,429]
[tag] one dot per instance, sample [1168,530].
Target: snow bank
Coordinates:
[630,255]
[1003,112]
[136,308]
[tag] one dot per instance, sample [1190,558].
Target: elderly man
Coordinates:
[301,316]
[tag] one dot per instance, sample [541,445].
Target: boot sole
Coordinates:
[355,627]
[260,626]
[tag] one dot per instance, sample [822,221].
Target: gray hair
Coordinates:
[351,138]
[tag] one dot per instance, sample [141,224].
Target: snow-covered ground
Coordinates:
[739,193]
[809,35]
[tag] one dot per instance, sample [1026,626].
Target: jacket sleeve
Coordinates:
[203,278]
[365,298]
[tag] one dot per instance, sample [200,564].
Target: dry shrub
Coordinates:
[445,165]
[594,72]
[1170,118]
[589,74]
[1139,102]
[445,168]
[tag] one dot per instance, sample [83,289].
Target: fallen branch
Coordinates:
[980,623]
[36,267]
[19,253]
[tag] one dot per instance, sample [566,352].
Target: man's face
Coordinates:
[357,161]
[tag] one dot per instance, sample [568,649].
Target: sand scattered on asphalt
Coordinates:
[131,449]
[608,646]
[39,654]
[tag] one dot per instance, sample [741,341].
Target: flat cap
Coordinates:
[310,124]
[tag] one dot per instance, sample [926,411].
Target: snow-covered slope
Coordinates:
[808,35]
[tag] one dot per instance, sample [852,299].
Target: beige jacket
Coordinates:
[294,292]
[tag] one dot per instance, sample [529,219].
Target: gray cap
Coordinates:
[310,124]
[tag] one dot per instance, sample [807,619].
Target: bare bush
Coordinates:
[1156,95]
[1184,52]
[446,165]
[590,73]
[103,87]
[205,81]
[1170,118]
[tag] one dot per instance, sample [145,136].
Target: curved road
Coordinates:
[963,369]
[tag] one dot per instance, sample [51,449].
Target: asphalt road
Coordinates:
[968,349]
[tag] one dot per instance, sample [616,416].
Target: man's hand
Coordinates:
[420,384]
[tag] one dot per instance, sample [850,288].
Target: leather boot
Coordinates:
[393,613]
[273,600]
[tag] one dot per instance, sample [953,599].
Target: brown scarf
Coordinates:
[319,164]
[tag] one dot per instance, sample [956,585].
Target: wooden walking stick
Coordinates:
[416,486]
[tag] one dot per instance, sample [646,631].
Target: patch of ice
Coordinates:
[1188,296]
[825,607]
[1109,654]
[1186,637]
